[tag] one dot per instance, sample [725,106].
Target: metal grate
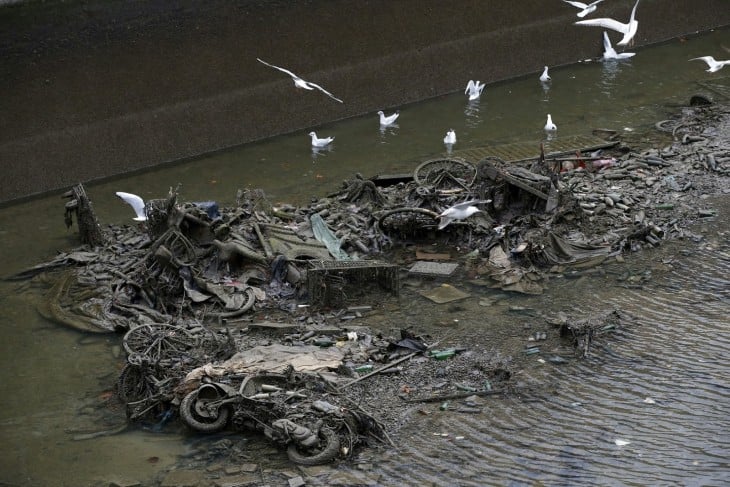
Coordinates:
[334,282]
[524,151]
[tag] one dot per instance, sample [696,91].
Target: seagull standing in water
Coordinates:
[136,203]
[628,29]
[713,65]
[317,142]
[545,77]
[388,120]
[459,211]
[609,53]
[586,8]
[299,82]
[549,125]
[474,89]
[450,138]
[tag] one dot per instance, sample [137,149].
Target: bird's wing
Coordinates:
[577,4]
[467,204]
[444,222]
[633,11]
[324,91]
[708,59]
[595,3]
[469,86]
[606,24]
[134,201]
[606,42]
[277,67]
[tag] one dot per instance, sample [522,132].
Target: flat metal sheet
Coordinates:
[433,268]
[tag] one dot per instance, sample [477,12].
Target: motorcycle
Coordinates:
[267,403]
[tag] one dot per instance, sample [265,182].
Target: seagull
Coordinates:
[459,212]
[299,82]
[320,142]
[609,53]
[389,120]
[450,137]
[586,7]
[628,29]
[545,77]
[713,65]
[474,89]
[549,125]
[136,203]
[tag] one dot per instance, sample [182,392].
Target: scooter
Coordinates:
[262,403]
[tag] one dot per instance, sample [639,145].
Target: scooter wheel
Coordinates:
[200,423]
[325,452]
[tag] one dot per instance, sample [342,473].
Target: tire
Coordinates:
[316,456]
[199,423]
[407,220]
[132,385]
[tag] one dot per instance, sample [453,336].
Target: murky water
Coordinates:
[674,354]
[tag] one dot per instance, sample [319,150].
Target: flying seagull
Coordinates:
[450,137]
[628,29]
[610,53]
[299,82]
[459,211]
[136,203]
[389,120]
[713,65]
[586,7]
[549,125]
[474,89]
[545,77]
[316,142]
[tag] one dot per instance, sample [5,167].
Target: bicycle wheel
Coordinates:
[427,172]
[159,341]
[132,384]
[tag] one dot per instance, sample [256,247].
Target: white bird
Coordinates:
[628,29]
[545,77]
[450,137]
[586,7]
[549,125]
[389,120]
[713,65]
[459,211]
[474,89]
[299,82]
[610,53]
[316,142]
[136,203]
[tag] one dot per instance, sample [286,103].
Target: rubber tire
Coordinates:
[325,455]
[197,423]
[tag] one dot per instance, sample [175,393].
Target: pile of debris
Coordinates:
[178,284]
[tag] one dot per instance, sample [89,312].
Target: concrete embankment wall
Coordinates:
[92,89]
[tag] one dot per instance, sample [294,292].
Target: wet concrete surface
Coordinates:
[96,89]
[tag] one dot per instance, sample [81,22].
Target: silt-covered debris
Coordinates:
[189,286]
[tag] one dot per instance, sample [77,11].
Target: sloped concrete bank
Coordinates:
[93,89]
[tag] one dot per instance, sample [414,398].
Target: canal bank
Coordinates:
[97,89]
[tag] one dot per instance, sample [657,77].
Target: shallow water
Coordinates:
[53,377]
